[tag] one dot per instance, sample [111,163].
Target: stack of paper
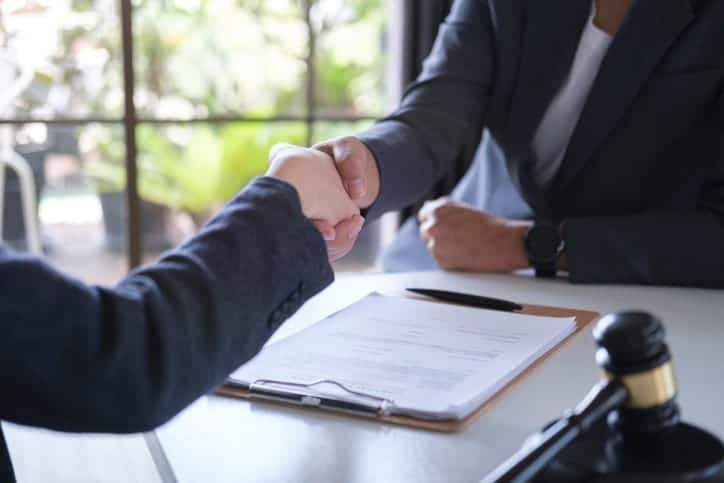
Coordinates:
[406,357]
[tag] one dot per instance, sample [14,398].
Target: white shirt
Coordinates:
[554,133]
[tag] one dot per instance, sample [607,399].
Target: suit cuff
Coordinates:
[404,176]
[304,236]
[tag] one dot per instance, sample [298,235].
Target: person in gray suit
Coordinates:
[126,359]
[597,129]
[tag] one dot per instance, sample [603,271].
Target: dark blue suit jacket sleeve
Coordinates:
[80,358]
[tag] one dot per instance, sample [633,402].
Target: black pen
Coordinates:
[468,299]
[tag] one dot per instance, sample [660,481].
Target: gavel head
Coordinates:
[632,350]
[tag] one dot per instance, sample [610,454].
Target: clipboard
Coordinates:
[266,392]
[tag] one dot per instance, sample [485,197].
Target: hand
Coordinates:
[358,169]
[341,238]
[461,237]
[316,180]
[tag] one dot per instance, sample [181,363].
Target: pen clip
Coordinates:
[306,395]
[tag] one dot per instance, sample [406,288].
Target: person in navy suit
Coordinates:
[126,359]
[597,133]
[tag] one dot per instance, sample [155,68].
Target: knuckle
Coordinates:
[444,209]
[428,230]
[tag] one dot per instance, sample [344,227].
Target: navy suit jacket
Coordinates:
[127,359]
[641,188]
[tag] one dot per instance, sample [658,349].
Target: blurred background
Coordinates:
[216,83]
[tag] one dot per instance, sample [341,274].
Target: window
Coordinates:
[216,83]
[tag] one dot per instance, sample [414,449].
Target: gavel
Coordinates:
[628,428]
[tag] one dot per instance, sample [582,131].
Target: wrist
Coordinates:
[372,177]
[562,262]
[287,178]
[544,246]
[518,231]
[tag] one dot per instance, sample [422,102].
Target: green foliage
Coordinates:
[203,57]
[195,168]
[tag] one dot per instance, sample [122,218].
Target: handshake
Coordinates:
[334,180]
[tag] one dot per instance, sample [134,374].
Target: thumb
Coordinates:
[350,165]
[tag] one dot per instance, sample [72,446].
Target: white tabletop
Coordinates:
[41,456]
[223,440]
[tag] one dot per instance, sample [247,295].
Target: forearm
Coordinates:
[82,358]
[442,114]
[685,248]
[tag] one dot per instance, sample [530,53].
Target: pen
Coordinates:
[468,299]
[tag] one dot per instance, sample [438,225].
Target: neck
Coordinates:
[610,14]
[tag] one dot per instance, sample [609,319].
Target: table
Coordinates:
[41,456]
[223,440]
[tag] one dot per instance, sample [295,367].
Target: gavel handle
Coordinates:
[532,459]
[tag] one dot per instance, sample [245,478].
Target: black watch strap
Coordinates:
[544,245]
[546,271]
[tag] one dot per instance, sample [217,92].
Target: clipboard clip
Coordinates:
[304,395]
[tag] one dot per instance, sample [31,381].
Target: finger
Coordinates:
[431,228]
[326,229]
[425,230]
[350,228]
[430,208]
[339,248]
[347,233]
[437,252]
[351,164]
[432,247]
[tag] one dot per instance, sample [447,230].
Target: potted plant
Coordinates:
[109,174]
[198,168]
[192,169]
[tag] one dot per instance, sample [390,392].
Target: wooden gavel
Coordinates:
[637,396]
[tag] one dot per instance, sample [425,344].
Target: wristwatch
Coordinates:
[543,244]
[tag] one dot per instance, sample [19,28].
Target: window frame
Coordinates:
[131,121]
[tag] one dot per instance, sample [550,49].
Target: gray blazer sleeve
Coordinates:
[442,113]
[80,358]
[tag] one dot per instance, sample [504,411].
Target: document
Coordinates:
[410,357]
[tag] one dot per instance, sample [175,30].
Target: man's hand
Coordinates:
[461,237]
[340,238]
[317,182]
[361,179]
[357,168]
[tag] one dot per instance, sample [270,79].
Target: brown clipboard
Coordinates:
[583,319]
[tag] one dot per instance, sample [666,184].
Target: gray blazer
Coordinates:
[641,189]
[125,360]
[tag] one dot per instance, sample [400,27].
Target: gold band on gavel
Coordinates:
[649,388]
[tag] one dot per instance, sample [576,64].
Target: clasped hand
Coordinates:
[338,178]
[324,196]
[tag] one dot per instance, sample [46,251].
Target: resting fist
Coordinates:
[461,237]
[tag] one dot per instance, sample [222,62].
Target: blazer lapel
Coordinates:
[650,29]
[551,33]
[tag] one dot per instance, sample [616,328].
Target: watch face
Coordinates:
[543,243]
